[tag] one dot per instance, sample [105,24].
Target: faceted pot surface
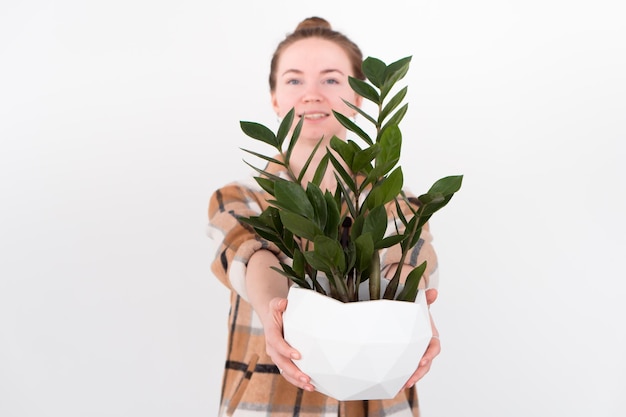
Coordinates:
[364,350]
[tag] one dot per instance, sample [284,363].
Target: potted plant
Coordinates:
[332,241]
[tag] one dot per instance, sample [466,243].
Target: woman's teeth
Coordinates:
[314,115]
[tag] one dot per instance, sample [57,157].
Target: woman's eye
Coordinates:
[332,81]
[293,82]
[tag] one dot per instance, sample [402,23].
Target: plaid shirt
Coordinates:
[266,392]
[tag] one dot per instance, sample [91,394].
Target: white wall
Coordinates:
[119,118]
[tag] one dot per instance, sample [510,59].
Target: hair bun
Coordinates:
[312,23]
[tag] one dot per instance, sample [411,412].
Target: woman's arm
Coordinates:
[267,293]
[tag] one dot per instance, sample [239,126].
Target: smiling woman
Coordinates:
[312,78]
[310,74]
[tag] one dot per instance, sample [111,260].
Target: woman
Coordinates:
[309,72]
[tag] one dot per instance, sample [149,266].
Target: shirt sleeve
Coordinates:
[233,242]
[422,251]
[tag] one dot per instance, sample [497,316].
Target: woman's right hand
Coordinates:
[279,350]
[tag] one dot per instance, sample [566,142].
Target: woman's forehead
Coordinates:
[314,54]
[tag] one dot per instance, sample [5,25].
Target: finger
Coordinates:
[421,371]
[277,308]
[431,295]
[434,348]
[277,346]
[278,304]
[296,377]
[274,334]
[281,352]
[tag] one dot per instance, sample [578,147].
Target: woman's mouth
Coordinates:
[313,116]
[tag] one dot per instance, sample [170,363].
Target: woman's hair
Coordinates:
[317,27]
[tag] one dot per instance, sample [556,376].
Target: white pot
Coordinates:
[363,350]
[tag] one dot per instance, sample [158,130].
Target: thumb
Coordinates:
[431,296]
[278,304]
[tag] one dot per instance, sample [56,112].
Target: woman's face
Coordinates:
[312,77]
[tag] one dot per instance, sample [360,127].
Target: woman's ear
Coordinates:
[275,105]
[358,101]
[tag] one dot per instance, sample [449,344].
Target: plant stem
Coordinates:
[392,287]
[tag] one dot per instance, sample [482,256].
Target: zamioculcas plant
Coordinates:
[338,235]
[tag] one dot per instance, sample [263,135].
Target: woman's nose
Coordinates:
[312,94]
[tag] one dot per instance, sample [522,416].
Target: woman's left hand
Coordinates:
[433,349]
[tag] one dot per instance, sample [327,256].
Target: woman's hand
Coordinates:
[279,350]
[433,349]
[267,292]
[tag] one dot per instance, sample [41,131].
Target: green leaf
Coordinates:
[266,183]
[412,225]
[362,113]
[298,263]
[394,73]
[287,272]
[376,223]
[390,144]
[265,157]
[363,89]
[285,126]
[345,179]
[300,226]
[411,285]
[320,170]
[391,105]
[264,227]
[401,213]
[397,70]
[316,197]
[353,127]
[350,256]
[347,200]
[357,226]
[396,118]
[345,149]
[374,70]
[333,220]
[432,197]
[431,208]
[440,194]
[305,168]
[292,197]
[363,159]
[364,250]
[330,251]
[259,132]
[389,241]
[386,190]
[256,222]
[317,262]
[447,185]
[294,138]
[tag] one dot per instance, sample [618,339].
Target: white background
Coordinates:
[119,118]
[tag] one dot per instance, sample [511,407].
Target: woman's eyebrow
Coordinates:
[326,71]
[299,72]
[295,71]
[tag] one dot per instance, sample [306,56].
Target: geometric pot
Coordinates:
[364,350]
